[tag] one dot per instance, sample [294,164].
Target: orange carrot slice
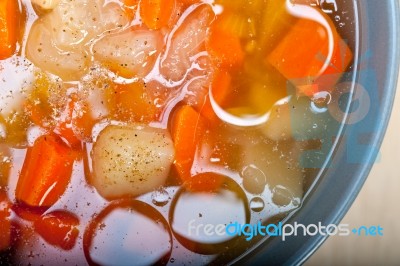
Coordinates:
[58,228]
[130,8]
[5,221]
[46,172]
[188,127]
[304,53]
[224,48]
[133,104]
[9,28]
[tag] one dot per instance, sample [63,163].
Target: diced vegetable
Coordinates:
[67,64]
[156,13]
[58,228]
[46,172]
[224,48]
[188,127]
[28,213]
[187,43]
[130,7]
[9,27]
[130,160]
[312,56]
[236,24]
[74,22]
[133,104]
[130,53]
[5,221]
[58,41]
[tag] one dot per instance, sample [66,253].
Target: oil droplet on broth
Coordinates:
[254,180]
[199,218]
[283,197]
[160,197]
[257,204]
[320,101]
[125,232]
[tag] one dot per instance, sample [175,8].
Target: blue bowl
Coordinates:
[376,32]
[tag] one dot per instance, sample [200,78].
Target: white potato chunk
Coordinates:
[131,53]
[186,43]
[130,160]
[67,64]
[76,21]
[46,4]
[59,41]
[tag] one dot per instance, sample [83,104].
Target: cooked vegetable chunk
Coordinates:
[9,27]
[130,160]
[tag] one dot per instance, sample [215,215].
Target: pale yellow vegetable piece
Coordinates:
[130,160]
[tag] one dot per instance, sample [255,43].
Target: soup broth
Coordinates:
[145,131]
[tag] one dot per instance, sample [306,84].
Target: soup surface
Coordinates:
[151,131]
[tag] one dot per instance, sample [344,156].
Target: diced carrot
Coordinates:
[83,121]
[46,172]
[188,127]
[220,87]
[9,27]
[236,23]
[5,221]
[130,8]
[133,104]
[224,48]
[58,228]
[304,51]
[156,13]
